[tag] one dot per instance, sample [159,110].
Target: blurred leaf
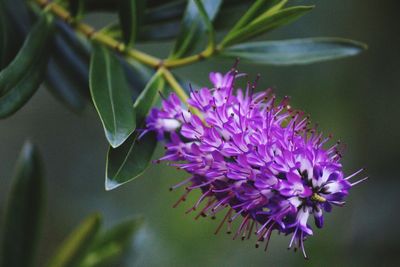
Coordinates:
[167,30]
[73,250]
[148,97]
[273,7]
[19,16]
[192,26]
[256,9]
[138,75]
[110,246]
[79,44]
[172,10]
[130,15]
[295,51]
[162,22]
[130,160]
[63,87]
[27,56]
[68,69]
[16,20]
[111,95]
[265,24]
[23,76]
[24,210]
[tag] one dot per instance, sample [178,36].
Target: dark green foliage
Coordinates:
[24,210]
[130,160]
[84,247]
[193,26]
[295,51]
[108,248]
[68,69]
[265,23]
[111,96]
[74,248]
[23,76]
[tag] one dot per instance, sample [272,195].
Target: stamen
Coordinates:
[302,245]
[181,199]
[359,181]
[354,174]
[228,214]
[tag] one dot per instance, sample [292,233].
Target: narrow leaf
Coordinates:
[265,24]
[111,95]
[255,9]
[130,160]
[22,77]
[274,6]
[110,246]
[193,26]
[27,56]
[131,16]
[207,22]
[148,97]
[295,51]
[74,248]
[24,210]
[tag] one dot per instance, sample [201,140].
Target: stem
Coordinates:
[100,37]
[128,52]
[120,47]
[174,84]
[180,92]
[173,63]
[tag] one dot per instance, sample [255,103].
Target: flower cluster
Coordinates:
[252,156]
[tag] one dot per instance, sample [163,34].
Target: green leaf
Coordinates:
[207,22]
[27,56]
[256,9]
[68,69]
[24,210]
[265,23]
[111,95]
[148,97]
[131,16]
[111,245]
[23,76]
[295,51]
[73,250]
[193,26]
[130,160]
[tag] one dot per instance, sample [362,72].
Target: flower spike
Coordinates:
[253,156]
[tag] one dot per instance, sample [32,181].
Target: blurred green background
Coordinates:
[355,99]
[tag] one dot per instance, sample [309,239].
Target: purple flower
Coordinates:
[254,157]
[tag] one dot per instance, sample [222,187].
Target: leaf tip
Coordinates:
[96,217]
[111,184]
[115,140]
[28,148]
